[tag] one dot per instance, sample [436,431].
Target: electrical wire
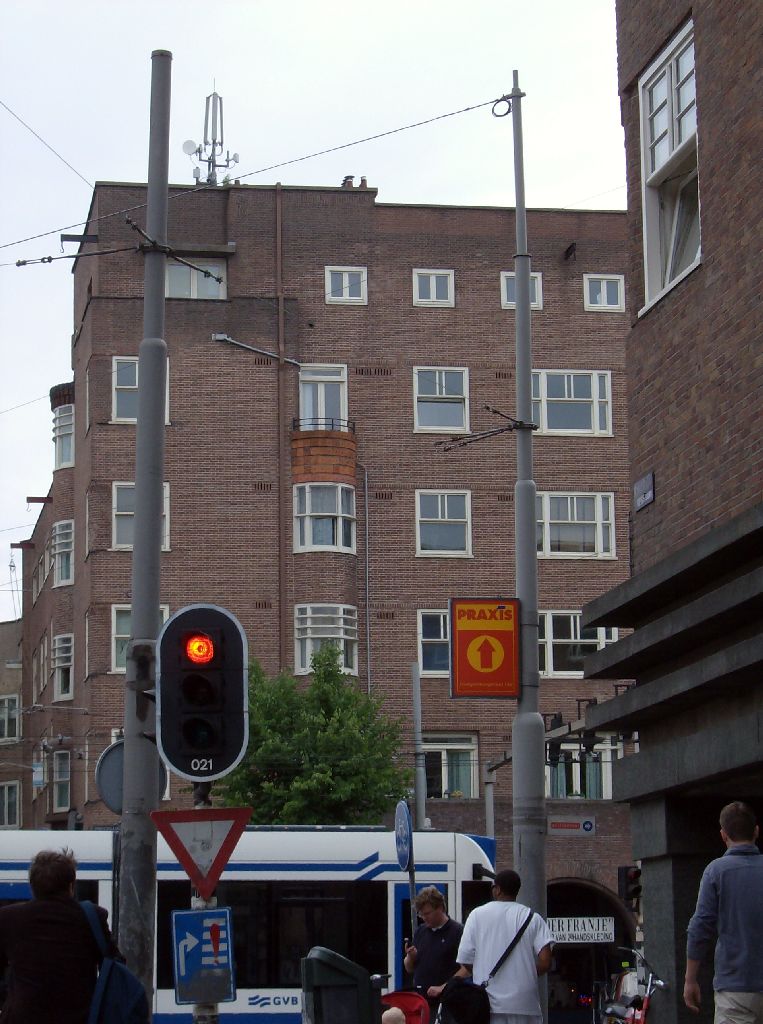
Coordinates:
[46,144]
[261,170]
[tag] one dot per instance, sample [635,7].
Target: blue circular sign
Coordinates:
[403,836]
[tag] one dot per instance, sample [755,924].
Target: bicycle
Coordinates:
[636,1008]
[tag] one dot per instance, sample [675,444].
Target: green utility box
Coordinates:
[337,991]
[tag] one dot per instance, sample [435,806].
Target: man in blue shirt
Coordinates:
[730,913]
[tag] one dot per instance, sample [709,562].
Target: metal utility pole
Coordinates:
[137,875]
[527,742]
[420,774]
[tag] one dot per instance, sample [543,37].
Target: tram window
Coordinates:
[473,894]
[275,924]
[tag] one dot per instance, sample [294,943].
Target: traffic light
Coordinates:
[629,883]
[201,692]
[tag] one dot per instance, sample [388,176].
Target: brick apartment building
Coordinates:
[304,490]
[690,77]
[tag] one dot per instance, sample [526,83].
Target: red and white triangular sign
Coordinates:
[203,840]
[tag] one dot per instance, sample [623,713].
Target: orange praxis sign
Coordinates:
[484,647]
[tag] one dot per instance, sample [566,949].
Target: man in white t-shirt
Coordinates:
[488,930]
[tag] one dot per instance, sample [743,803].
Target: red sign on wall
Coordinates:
[484,647]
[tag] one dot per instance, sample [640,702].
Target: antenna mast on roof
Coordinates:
[212,147]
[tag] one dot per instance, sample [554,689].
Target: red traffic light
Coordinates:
[199,648]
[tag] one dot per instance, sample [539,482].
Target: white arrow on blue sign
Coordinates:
[202,942]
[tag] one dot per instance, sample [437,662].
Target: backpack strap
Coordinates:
[95,925]
[508,950]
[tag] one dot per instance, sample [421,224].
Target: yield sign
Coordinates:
[203,840]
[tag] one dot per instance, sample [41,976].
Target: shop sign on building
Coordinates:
[484,649]
[575,828]
[582,929]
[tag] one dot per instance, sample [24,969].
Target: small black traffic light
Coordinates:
[201,692]
[629,883]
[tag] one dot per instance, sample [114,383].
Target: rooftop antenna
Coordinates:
[212,147]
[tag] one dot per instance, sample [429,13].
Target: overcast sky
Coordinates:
[296,77]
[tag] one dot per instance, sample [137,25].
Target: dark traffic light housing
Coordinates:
[629,883]
[201,692]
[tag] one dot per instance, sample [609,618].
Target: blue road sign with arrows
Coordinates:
[202,942]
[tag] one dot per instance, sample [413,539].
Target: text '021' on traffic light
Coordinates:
[629,882]
[202,693]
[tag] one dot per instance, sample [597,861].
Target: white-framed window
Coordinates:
[563,643]
[121,628]
[452,766]
[62,544]
[443,523]
[509,290]
[63,666]
[9,718]
[197,282]
[123,516]
[322,397]
[581,769]
[441,399]
[324,517]
[604,292]
[670,191]
[572,401]
[434,642]
[346,286]
[63,436]
[44,660]
[124,393]
[62,780]
[319,624]
[575,525]
[434,288]
[10,805]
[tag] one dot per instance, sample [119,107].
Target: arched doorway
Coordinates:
[585,957]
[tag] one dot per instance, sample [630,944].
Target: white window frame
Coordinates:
[444,744]
[441,397]
[605,635]
[63,666]
[321,374]
[116,388]
[603,501]
[119,640]
[604,280]
[318,623]
[607,750]
[536,285]
[304,521]
[443,502]
[344,298]
[443,640]
[217,267]
[664,179]
[62,546]
[62,780]
[10,718]
[63,436]
[6,787]
[421,272]
[600,400]
[116,515]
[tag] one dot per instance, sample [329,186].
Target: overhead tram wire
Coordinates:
[46,144]
[249,174]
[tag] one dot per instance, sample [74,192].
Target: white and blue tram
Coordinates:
[289,888]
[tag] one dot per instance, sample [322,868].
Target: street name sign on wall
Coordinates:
[203,840]
[484,647]
[582,929]
[571,828]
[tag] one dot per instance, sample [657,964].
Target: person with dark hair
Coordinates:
[49,947]
[488,931]
[431,959]
[729,913]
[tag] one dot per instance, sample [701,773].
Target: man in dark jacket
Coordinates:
[49,947]
[432,957]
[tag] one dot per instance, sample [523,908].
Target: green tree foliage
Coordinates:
[324,754]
